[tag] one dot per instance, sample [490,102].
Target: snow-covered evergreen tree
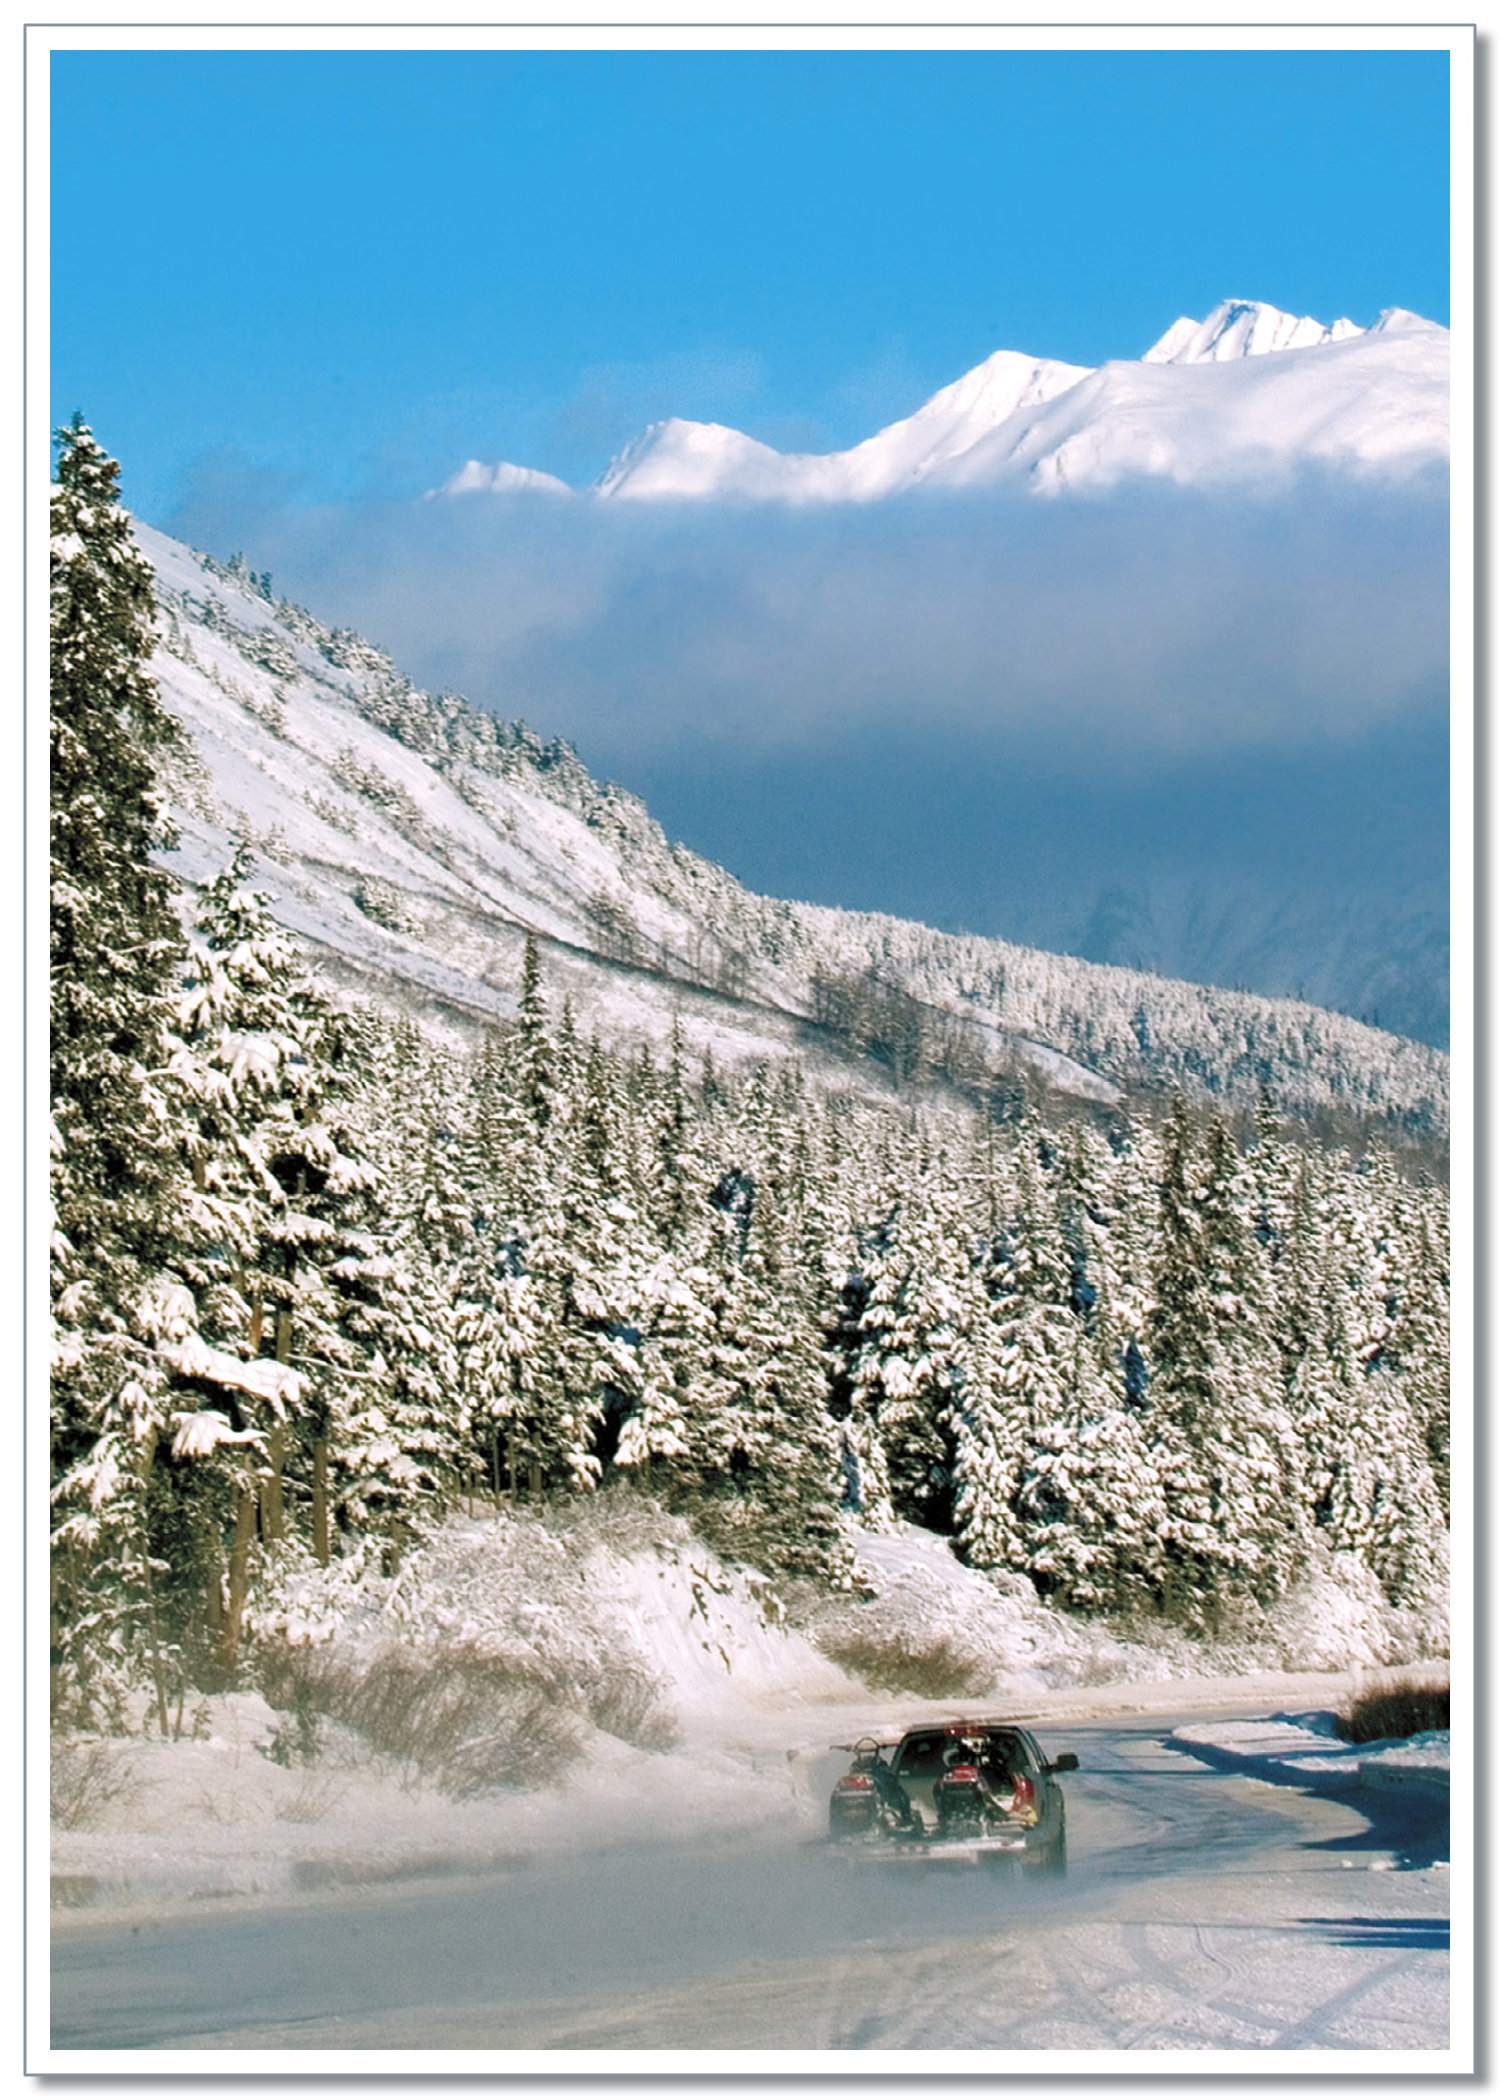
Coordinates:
[1024,1361]
[1089,1500]
[312,1282]
[118,1185]
[1250,1449]
[1181,1336]
[1420,1338]
[513,1294]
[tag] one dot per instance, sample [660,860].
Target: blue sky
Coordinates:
[350,271]
[293,292]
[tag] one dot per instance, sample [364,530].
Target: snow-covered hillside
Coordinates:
[414,842]
[1250,393]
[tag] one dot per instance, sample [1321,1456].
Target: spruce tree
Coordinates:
[864,1323]
[309,1281]
[116,943]
[990,1428]
[1180,1337]
[1420,1331]
[1250,1446]
[118,1182]
[1024,1359]
[513,1292]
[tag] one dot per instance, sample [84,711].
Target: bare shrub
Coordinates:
[315,1795]
[87,1779]
[230,1805]
[626,1702]
[891,1659]
[463,1720]
[1398,1703]
[620,1516]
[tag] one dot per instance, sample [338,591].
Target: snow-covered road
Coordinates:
[1205,1910]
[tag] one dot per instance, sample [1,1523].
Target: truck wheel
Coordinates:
[1052,1861]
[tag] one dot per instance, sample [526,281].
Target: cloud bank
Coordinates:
[990,711]
[1152,623]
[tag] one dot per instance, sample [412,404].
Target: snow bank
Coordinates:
[1307,1750]
[938,1629]
[1421,1760]
[936,1626]
[222,1818]
[584,1613]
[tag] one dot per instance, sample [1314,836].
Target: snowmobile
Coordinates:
[869,1801]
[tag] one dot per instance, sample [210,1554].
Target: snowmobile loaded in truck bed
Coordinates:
[965,1792]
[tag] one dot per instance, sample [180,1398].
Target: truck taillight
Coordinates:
[1025,1794]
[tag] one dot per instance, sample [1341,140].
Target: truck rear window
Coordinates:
[921,1756]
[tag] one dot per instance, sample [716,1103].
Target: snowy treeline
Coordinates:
[318,1280]
[664,908]
[1139,1365]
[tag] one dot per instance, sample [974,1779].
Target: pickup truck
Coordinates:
[959,1790]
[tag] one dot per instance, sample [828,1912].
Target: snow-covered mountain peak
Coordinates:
[1243,328]
[681,458]
[501,479]
[1005,382]
[1400,320]
[955,418]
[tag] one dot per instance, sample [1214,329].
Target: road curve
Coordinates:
[1202,1911]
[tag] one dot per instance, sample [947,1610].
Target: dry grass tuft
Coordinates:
[1397,1703]
[890,1659]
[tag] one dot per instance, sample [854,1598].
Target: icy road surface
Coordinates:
[1203,1910]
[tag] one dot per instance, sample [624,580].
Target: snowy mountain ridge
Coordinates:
[413,842]
[1247,328]
[1249,393]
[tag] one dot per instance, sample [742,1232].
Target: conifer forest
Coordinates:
[323,1275]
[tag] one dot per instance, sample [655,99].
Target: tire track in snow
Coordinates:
[1310,2031]
[1167,2028]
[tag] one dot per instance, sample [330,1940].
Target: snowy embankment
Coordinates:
[1305,1750]
[601,1678]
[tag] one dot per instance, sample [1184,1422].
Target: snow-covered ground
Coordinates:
[661,1695]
